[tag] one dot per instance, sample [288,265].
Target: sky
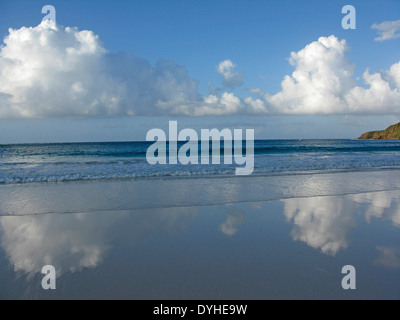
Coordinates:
[113,70]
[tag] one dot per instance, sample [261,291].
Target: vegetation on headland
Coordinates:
[392,132]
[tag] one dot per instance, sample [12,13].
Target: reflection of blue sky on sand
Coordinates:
[388,257]
[75,241]
[226,248]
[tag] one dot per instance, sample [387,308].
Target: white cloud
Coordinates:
[394,75]
[255,105]
[387,30]
[378,98]
[50,71]
[323,83]
[232,78]
[227,104]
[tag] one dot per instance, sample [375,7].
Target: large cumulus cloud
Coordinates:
[323,83]
[50,71]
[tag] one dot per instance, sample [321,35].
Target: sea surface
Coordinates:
[57,162]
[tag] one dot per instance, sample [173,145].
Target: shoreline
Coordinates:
[87,196]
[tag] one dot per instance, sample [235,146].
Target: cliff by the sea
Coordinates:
[392,132]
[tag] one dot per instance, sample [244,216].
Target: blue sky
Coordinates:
[256,37]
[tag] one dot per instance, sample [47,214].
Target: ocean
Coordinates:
[58,162]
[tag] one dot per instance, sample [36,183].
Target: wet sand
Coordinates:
[275,237]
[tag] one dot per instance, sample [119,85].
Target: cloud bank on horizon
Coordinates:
[51,71]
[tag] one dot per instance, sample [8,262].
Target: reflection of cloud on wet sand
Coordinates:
[31,242]
[381,205]
[231,223]
[72,242]
[388,257]
[321,222]
[324,222]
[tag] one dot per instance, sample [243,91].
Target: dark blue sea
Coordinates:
[57,162]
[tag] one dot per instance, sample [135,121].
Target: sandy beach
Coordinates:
[258,237]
